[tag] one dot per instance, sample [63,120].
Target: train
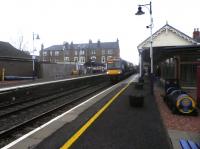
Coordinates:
[119,69]
[178,101]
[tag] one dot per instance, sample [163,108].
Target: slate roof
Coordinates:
[7,50]
[55,48]
[98,45]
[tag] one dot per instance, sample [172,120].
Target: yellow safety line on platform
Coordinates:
[91,120]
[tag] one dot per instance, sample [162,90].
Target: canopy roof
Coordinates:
[162,53]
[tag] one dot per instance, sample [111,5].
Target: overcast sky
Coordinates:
[57,21]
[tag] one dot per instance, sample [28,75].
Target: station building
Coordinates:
[14,62]
[175,55]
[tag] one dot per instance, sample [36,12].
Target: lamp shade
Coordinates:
[139,12]
[37,36]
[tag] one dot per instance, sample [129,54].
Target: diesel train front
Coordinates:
[118,69]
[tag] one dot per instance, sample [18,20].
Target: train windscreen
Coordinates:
[113,64]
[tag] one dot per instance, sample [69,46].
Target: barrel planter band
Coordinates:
[185,104]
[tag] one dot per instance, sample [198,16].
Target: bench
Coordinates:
[188,144]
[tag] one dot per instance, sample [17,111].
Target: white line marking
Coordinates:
[56,118]
[43,83]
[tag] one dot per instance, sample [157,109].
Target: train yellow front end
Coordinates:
[118,69]
[114,72]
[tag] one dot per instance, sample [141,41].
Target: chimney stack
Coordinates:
[196,34]
[42,46]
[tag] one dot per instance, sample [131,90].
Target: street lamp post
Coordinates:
[33,56]
[140,12]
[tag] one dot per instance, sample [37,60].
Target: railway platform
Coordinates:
[105,121]
[11,83]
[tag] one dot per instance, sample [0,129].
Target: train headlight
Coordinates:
[119,72]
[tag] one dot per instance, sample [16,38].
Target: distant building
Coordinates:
[7,50]
[98,52]
[14,62]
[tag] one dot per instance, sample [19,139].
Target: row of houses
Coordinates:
[98,52]
[56,61]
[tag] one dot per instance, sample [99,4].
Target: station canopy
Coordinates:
[191,52]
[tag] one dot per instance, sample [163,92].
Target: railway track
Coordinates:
[23,115]
[26,104]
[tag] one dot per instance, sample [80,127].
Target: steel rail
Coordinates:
[17,127]
[45,100]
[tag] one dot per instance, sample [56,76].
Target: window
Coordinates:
[45,53]
[82,52]
[75,59]
[93,58]
[103,52]
[51,53]
[113,64]
[167,61]
[188,73]
[93,52]
[76,52]
[109,57]
[82,59]
[66,59]
[103,59]
[66,52]
[110,51]
[56,60]
[56,53]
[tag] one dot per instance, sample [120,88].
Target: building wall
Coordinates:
[88,54]
[16,67]
[73,51]
[188,74]
[24,68]
[51,56]
[188,70]
[168,38]
[55,71]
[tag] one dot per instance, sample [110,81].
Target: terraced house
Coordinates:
[98,52]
